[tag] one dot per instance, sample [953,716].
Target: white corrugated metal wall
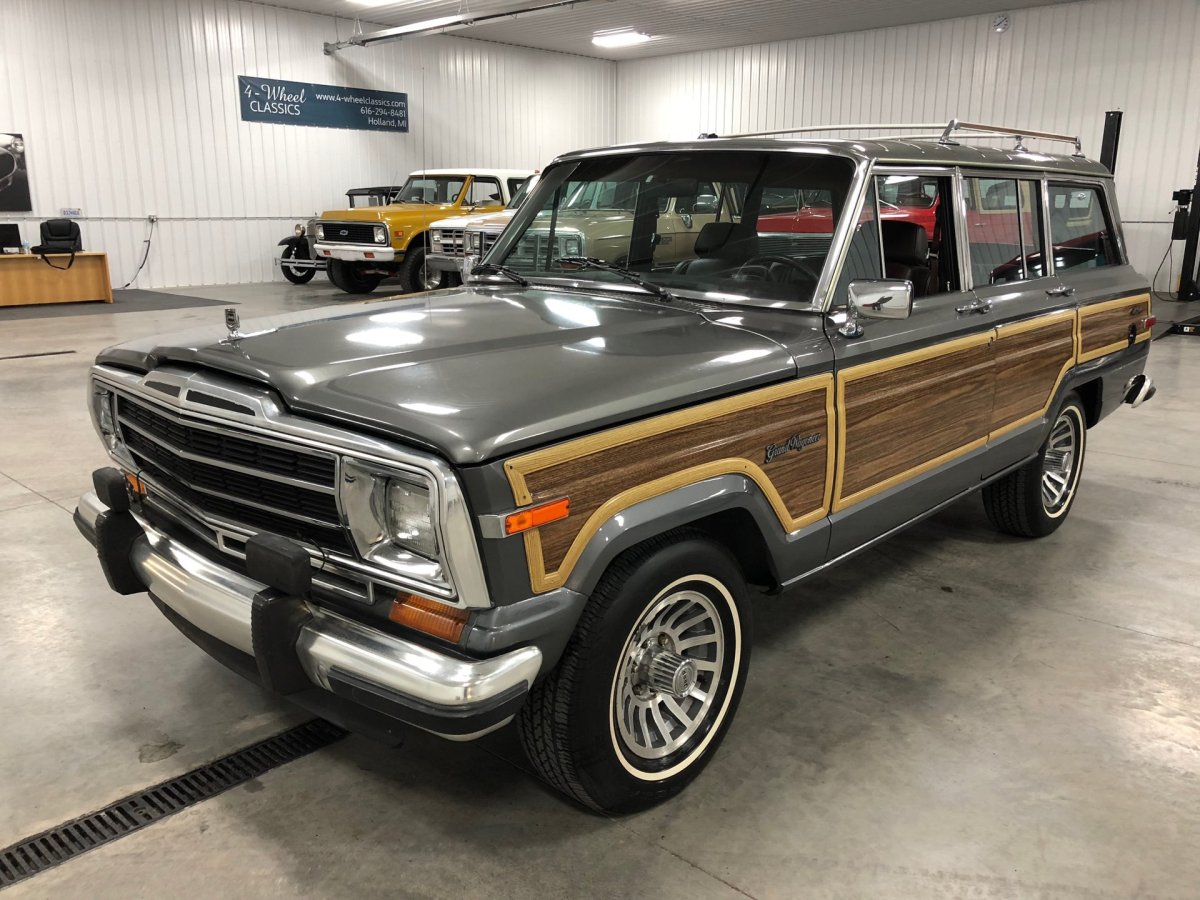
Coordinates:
[130,107]
[1057,68]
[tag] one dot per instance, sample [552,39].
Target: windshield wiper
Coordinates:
[589,262]
[494,269]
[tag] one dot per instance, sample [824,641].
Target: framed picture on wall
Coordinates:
[14,177]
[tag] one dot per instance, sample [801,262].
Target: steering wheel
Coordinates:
[765,266]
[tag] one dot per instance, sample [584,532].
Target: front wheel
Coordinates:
[416,276]
[648,685]
[352,278]
[296,275]
[1035,499]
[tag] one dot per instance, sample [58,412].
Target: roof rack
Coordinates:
[944,138]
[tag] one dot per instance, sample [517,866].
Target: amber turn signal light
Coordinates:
[429,617]
[524,519]
[136,485]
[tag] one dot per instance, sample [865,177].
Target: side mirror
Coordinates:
[883,299]
[876,299]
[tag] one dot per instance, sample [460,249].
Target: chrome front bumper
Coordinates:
[441,262]
[333,650]
[356,252]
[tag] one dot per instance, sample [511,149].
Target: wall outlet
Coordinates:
[152,218]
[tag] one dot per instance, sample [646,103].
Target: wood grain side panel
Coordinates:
[1104,327]
[605,473]
[905,415]
[1031,359]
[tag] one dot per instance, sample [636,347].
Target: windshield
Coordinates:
[519,197]
[734,223]
[431,189]
[358,198]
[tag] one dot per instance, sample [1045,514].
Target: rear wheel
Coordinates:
[296,275]
[352,278]
[649,683]
[1035,499]
[416,276]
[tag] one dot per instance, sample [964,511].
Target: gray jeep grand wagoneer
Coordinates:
[551,494]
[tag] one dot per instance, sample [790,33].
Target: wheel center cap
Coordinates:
[671,673]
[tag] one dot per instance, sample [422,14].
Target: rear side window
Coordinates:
[1004,230]
[1081,228]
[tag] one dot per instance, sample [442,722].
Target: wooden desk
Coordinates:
[25,279]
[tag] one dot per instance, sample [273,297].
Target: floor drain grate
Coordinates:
[56,845]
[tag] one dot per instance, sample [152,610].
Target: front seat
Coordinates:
[716,246]
[906,254]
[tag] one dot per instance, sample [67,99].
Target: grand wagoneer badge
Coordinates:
[795,442]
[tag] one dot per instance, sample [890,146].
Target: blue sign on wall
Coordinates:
[323,105]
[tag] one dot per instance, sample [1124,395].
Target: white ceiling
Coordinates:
[677,25]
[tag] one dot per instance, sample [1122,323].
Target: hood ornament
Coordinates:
[234,323]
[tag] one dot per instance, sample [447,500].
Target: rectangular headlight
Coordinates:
[436,236]
[320,232]
[104,416]
[410,517]
[392,517]
[380,234]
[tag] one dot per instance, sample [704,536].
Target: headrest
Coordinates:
[59,230]
[712,237]
[905,242]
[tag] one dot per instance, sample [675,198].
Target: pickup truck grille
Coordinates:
[261,485]
[355,232]
[452,241]
[487,242]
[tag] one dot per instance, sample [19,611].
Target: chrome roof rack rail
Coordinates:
[1019,133]
[810,129]
[979,131]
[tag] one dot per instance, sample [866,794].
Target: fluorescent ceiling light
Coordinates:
[619,38]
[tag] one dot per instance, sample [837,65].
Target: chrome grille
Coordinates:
[487,242]
[452,241]
[242,480]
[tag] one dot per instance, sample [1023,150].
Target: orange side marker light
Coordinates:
[543,514]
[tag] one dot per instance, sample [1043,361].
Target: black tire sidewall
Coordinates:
[593,745]
[295,276]
[344,276]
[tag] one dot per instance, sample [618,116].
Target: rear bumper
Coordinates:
[381,679]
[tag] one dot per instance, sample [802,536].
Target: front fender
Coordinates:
[295,240]
[785,555]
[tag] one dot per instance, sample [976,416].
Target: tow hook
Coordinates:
[1138,390]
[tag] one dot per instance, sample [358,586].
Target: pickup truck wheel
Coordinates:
[648,685]
[1035,499]
[350,278]
[417,277]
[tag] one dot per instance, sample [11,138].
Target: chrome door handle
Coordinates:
[1064,291]
[975,306]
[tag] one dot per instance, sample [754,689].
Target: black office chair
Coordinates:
[60,236]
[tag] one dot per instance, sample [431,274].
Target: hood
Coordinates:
[476,220]
[479,373]
[425,212]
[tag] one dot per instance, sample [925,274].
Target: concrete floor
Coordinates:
[955,714]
